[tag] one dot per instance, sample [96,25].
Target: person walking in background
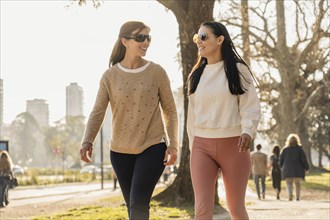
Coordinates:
[223,115]
[114,178]
[274,165]
[259,171]
[6,175]
[294,164]
[141,101]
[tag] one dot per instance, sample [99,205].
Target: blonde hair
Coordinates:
[5,161]
[119,50]
[292,140]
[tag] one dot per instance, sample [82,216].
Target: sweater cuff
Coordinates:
[173,148]
[248,131]
[86,142]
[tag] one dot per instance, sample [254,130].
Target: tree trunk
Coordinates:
[289,108]
[189,14]
[245,31]
[288,72]
[320,159]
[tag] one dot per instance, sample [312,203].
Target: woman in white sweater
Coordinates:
[223,115]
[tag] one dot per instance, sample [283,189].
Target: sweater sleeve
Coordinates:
[169,110]
[97,115]
[190,120]
[249,104]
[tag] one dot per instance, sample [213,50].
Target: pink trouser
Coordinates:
[207,157]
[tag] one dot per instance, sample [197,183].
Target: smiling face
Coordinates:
[135,48]
[209,45]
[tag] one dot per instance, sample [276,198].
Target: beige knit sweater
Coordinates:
[136,100]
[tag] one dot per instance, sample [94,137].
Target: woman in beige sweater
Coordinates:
[141,146]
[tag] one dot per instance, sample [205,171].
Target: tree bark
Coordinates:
[245,31]
[189,14]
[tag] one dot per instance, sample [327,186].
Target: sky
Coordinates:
[46,45]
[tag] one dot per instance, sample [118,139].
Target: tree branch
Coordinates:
[262,41]
[317,34]
[309,102]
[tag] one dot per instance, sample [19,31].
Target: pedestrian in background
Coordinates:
[274,165]
[294,165]
[223,115]
[6,176]
[259,171]
[115,180]
[144,118]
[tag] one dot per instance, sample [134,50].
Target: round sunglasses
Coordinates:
[202,36]
[140,37]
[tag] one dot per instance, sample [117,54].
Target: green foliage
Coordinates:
[24,133]
[64,138]
[48,176]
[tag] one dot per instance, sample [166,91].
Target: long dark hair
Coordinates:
[276,151]
[231,58]
[119,50]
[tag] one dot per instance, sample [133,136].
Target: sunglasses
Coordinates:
[140,37]
[202,36]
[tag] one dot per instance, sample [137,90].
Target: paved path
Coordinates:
[272,209]
[283,209]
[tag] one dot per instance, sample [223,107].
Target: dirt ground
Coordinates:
[313,205]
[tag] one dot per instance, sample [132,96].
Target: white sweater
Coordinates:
[213,112]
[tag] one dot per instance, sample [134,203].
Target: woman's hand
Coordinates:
[170,156]
[244,142]
[86,152]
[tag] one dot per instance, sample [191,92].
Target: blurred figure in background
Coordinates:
[6,175]
[259,170]
[166,174]
[114,178]
[294,164]
[274,164]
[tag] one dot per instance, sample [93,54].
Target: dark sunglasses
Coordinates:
[203,36]
[140,37]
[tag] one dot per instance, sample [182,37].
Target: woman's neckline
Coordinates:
[215,64]
[137,70]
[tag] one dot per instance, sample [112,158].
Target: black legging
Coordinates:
[276,179]
[4,187]
[138,175]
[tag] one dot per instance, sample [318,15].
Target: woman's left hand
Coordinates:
[244,142]
[170,156]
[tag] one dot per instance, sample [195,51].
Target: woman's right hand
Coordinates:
[86,152]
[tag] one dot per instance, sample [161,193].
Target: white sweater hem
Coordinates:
[218,132]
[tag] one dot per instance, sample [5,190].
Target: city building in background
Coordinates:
[74,100]
[38,108]
[1,107]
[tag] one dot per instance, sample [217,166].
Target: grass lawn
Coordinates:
[115,209]
[96,212]
[315,186]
